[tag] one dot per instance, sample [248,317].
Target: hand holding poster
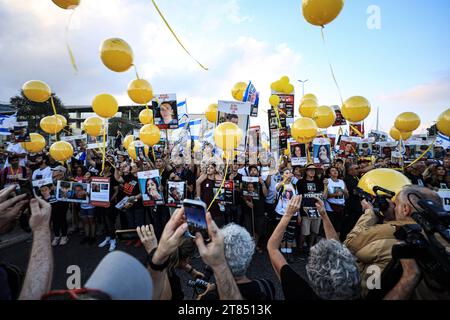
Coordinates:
[20,132]
[250,187]
[348,146]
[165,110]
[176,191]
[252,96]
[309,205]
[322,151]
[150,185]
[69,191]
[299,155]
[340,121]
[365,147]
[226,195]
[45,189]
[237,113]
[100,192]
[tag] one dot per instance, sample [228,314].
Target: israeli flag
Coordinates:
[183,116]
[443,141]
[195,127]
[7,123]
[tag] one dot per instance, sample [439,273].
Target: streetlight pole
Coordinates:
[303,84]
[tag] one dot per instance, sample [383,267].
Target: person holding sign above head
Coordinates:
[167,114]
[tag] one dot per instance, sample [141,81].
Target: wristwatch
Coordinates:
[155,266]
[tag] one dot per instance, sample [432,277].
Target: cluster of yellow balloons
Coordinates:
[356,109]
[304,130]
[308,105]
[443,123]
[397,135]
[227,136]
[238,91]
[283,86]
[211,112]
[321,12]
[67,4]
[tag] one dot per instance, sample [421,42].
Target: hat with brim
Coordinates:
[312,166]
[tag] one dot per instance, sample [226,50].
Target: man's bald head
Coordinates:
[408,200]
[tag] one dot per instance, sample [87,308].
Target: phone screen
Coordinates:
[25,187]
[309,206]
[196,219]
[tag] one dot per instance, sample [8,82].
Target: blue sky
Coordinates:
[404,66]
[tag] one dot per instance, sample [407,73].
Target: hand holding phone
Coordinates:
[195,212]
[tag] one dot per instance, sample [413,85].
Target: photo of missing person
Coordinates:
[68,191]
[299,156]
[20,132]
[340,121]
[250,186]
[322,151]
[166,111]
[152,189]
[150,186]
[45,189]
[365,149]
[347,148]
[175,193]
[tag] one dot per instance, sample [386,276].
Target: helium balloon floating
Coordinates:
[274,100]
[36,91]
[238,91]
[93,126]
[63,120]
[443,123]
[51,124]
[321,12]
[227,136]
[397,135]
[36,143]
[105,105]
[356,109]
[146,116]
[67,4]
[150,135]
[140,91]
[407,122]
[308,107]
[211,113]
[304,130]
[61,151]
[388,179]
[310,96]
[127,141]
[324,116]
[116,55]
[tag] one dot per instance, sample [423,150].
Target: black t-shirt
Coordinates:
[304,187]
[294,286]
[353,203]
[175,286]
[256,290]
[237,181]
[131,188]
[258,205]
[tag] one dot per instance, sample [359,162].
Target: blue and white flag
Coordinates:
[183,116]
[443,141]
[7,123]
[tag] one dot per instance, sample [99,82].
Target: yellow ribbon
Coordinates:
[104,148]
[69,49]
[278,117]
[423,154]
[176,37]
[331,66]
[359,133]
[222,184]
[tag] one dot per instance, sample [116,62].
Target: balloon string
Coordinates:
[69,49]
[278,117]
[136,71]
[423,154]
[104,148]
[176,37]
[221,186]
[331,66]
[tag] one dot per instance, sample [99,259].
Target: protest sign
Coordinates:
[165,111]
[45,189]
[150,185]
[70,191]
[100,190]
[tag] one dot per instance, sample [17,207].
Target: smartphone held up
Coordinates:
[195,212]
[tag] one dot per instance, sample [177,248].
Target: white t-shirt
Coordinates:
[289,191]
[272,190]
[333,187]
[40,174]
[16,148]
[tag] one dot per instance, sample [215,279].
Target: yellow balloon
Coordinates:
[274,100]
[288,89]
[105,105]
[61,151]
[398,135]
[285,80]
[321,12]
[132,150]
[36,143]
[238,91]
[63,120]
[324,116]
[146,116]
[356,109]
[127,140]
[388,179]
[116,54]
[265,145]
[51,124]
[150,135]
[443,123]
[211,113]
[140,91]
[304,130]
[227,136]
[36,91]
[310,96]
[67,4]
[407,122]
[93,126]
[308,107]
[277,86]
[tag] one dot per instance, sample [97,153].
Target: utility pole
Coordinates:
[303,84]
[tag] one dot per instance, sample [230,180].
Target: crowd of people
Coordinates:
[288,212]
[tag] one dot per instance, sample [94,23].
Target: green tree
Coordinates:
[124,124]
[33,112]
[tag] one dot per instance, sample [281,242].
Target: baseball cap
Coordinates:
[60,168]
[311,166]
[121,277]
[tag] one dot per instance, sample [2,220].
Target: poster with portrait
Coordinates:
[141,153]
[237,113]
[379,136]
[45,189]
[150,186]
[20,132]
[410,147]
[250,187]
[70,191]
[309,205]
[226,195]
[176,192]
[252,95]
[299,154]
[365,147]
[340,121]
[96,142]
[422,148]
[78,142]
[100,192]
[386,148]
[322,151]
[165,111]
[348,147]
[286,106]
[254,144]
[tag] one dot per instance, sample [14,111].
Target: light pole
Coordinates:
[303,84]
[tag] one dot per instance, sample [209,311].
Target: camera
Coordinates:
[379,202]
[198,284]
